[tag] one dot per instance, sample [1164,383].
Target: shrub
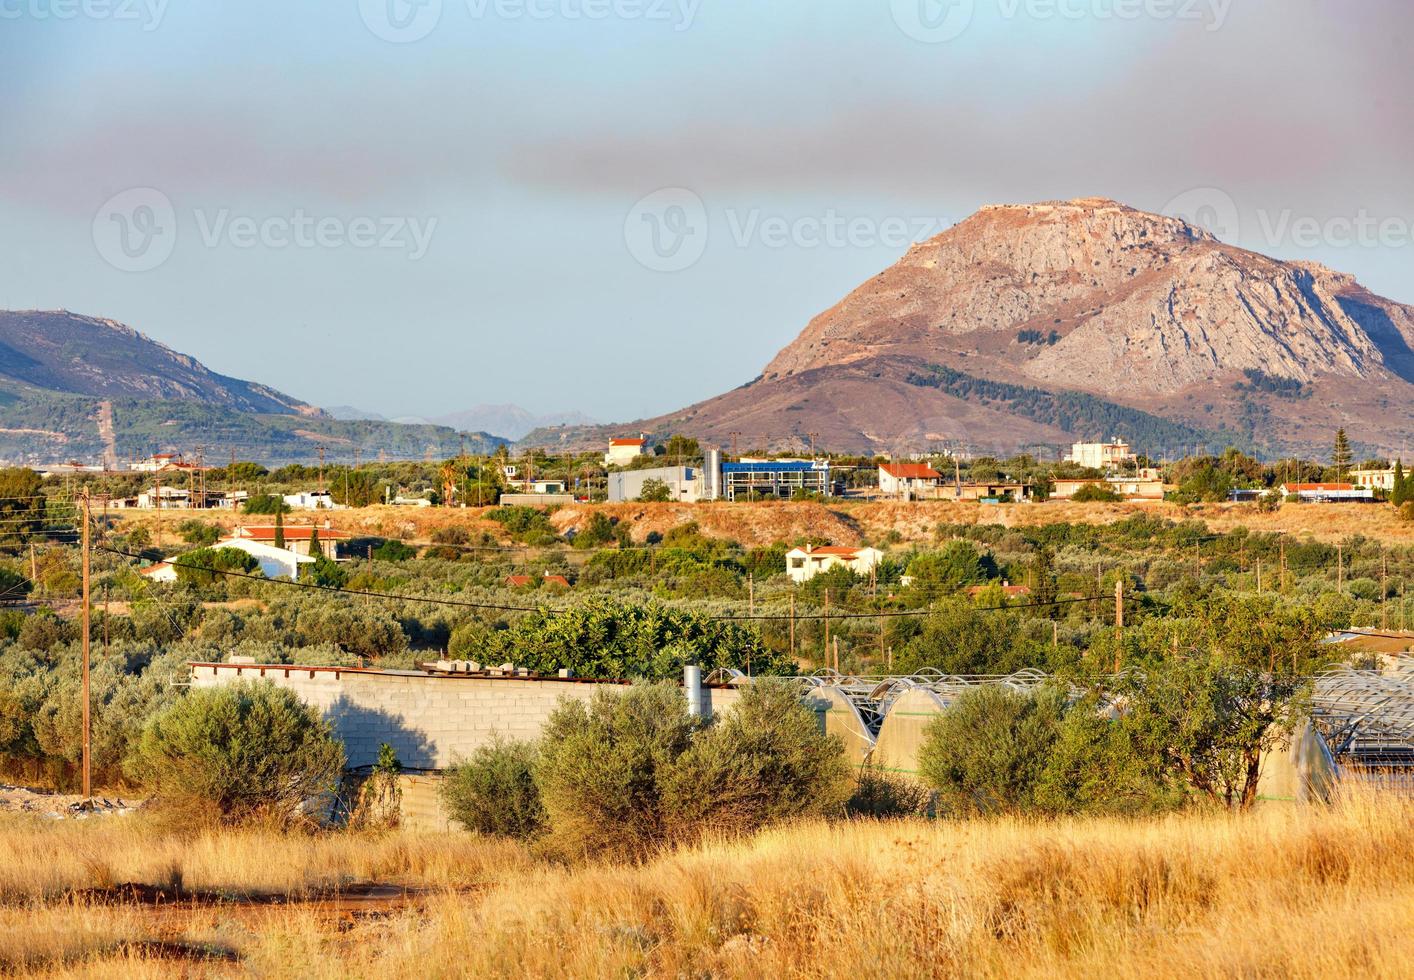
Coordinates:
[881,794]
[204,565]
[1093,493]
[764,761]
[248,750]
[451,534]
[603,765]
[494,791]
[199,532]
[393,550]
[265,503]
[986,753]
[655,491]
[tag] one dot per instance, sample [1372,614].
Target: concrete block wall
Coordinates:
[431,720]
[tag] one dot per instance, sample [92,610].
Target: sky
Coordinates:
[622,207]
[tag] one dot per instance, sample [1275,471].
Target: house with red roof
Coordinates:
[624,451]
[297,537]
[908,480]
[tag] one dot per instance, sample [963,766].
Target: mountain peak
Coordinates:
[1088,296]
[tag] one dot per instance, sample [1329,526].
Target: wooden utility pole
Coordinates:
[1119,625]
[751,593]
[827,626]
[1259,576]
[87,719]
[792,624]
[1384,571]
[1283,564]
[1339,569]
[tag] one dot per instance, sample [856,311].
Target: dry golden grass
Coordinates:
[1283,892]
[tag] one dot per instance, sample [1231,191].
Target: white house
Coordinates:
[312,500]
[908,479]
[623,451]
[296,537]
[803,564]
[520,484]
[274,562]
[1101,455]
[1373,479]
[172,498]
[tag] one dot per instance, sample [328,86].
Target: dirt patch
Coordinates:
[21,799]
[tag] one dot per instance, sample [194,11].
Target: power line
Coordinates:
[503,607]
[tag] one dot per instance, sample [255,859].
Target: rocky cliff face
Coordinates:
[1146,313]
[63,352]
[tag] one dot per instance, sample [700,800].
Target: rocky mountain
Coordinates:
[82,388]
[82,355]
[1043,324]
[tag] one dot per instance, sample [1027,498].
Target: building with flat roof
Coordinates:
[779,478]
[1102,455]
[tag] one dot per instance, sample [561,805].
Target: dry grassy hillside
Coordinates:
[846,522]
[1283,892]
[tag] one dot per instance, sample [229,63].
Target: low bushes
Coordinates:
[494,791]
[629,771]
[248,751]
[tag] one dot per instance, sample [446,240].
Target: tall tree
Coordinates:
[1399,493]
[1341,456]
[279,528]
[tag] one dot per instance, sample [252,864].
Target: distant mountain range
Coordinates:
[1033,326]
[507,421]
[84,388]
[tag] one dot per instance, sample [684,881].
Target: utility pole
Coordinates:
[1119,625]
[827,626]
[1259,576]
[321,468]
[751,593]
[1384,569]
[792,624]
[1339,569]
[87,719]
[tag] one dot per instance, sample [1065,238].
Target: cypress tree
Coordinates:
[279,526]
[1342,455]
[1400,492]
[314,542]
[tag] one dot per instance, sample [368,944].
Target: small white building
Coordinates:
[1102,455]
[1321,493]
[803,564]
[908,480]
[312,500]
[520,484]
[171,498]
[623,451]
[1374,479]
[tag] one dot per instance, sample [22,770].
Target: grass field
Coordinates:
[1281,892]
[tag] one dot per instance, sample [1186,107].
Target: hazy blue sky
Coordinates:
[418,207]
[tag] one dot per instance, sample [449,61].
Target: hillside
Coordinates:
[1038,325]
[81,388]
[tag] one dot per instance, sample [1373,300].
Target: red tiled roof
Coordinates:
[557,580]
[294,532]
[626,442]
[518,581]
[911,471]
[836,550]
